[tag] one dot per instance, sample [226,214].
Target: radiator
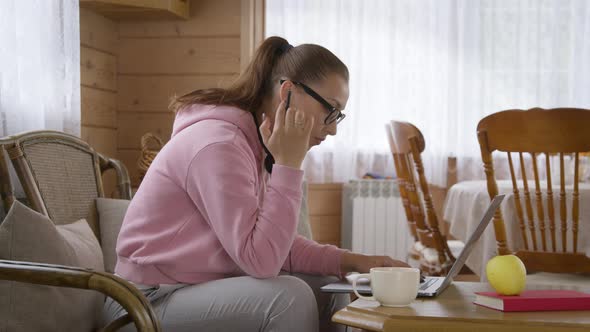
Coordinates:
[373,219]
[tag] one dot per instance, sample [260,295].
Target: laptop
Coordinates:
[432,286]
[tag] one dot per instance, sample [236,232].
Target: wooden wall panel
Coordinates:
[160,59]
[208,18]
[132,125]
[99,108]
[129,157]
[97,32]
[98,69]
[103,140]
[98,78]
[153,93]
[180,56]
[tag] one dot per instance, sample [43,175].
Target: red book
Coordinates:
[535,300]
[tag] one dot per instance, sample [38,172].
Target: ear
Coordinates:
[285,87]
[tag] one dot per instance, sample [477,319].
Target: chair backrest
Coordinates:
[407,144]
[553,133]
[402,186]
[61,175]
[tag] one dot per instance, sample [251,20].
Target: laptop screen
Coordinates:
[485,220]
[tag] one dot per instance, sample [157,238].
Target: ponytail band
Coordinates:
[286,47]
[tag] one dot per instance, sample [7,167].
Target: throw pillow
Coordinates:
[26,235]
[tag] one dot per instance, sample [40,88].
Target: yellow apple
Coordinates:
[506,274]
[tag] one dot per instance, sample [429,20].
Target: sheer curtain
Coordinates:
[39,66]
[441,65]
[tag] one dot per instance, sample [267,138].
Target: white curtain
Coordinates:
[39,66]
[441,65]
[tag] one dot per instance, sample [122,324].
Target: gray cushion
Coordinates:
[110,215]
[26,235]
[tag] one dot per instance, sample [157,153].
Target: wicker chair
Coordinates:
[61,177]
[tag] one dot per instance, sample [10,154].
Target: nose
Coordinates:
[332,128]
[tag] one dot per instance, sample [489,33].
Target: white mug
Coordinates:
[392,286]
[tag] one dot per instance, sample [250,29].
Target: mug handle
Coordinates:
[367,276]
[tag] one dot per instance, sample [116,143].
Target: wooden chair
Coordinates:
[62,176]
[553,133]
[431,247]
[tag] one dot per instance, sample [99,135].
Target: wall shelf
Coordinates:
[127,10]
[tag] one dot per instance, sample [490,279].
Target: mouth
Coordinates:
[319,139]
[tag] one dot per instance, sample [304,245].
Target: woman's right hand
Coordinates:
[352,262]
[288,140]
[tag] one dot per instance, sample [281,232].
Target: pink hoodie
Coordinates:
[204,210]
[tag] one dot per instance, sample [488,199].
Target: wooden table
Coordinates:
[454,311]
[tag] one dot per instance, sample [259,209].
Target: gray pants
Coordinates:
[284,303]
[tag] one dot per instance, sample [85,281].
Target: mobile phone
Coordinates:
[288,100]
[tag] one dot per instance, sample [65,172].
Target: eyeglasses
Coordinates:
[334,115]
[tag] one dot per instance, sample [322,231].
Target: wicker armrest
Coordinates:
[123,180]
[118,289]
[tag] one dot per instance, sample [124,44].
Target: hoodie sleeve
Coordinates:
[308,256]
[221,181]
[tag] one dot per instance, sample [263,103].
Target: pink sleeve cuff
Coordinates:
[332,260]
[286,177]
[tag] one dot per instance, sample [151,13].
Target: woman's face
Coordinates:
[333,89]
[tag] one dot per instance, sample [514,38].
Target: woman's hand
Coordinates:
[351,262]
[288,141]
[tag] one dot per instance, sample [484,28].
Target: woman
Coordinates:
[214,222]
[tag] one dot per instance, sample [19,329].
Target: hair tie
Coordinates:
[286,47]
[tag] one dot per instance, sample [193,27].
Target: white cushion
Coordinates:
[26,235]
[456,247]
[418,246]
[430,255]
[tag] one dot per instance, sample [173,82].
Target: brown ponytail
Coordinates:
[273,60]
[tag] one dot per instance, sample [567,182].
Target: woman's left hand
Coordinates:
[351,262]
